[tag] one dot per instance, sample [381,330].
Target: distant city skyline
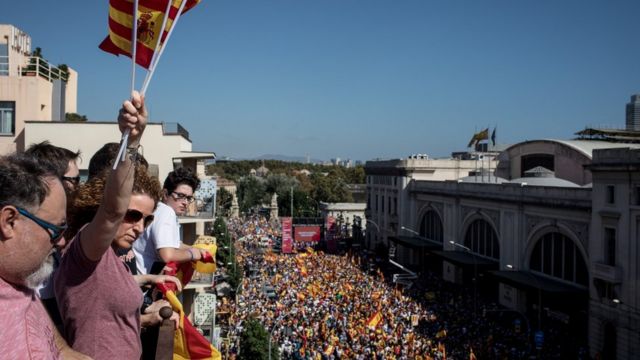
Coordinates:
[361,79]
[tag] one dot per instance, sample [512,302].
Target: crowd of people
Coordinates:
[329,307]
[69,287]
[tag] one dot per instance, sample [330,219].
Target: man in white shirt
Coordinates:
[160,243]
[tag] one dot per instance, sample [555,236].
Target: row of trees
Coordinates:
[325,183]
[225,253]
[234,170]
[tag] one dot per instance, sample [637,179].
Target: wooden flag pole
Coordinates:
[164,46]
[134,38]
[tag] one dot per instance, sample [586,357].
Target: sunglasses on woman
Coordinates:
[133,216]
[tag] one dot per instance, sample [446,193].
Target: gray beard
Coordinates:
[39,276]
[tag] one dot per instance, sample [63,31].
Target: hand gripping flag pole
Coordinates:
[159,47]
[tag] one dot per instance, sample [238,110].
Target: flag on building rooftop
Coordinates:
[479,136]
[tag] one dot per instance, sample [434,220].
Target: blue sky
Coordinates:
[361,79]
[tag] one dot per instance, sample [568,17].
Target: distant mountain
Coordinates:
[299,159]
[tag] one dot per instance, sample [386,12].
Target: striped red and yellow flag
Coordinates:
[188,343]
[374,320]
[150,17]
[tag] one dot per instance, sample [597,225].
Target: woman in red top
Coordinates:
[98,297]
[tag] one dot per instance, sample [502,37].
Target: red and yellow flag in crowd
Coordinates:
[374,320]
[150,16]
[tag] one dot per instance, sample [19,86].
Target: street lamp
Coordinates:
[475,275]
[509,266]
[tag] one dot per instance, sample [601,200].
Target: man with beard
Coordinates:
[32,225]
[63,162]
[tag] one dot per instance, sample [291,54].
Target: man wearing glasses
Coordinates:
[160,243]
[63,162]
[32,224]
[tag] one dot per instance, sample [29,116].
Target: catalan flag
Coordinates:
[150,15]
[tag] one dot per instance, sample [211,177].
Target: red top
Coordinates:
[100,304]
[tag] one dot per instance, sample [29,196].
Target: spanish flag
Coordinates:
[150,15]
[479,136]
[188,343]
[374,320]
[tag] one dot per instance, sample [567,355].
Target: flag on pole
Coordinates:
[479,136]
[150,17]
[188,343]
[493,136]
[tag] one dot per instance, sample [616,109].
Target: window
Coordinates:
[482,239]
[395,206]
[637,195]
[7,115]
[382,204]
[389,204]
[556,255]
[376,202]
[610,246]
[431,226]
[4,60]
[611,194]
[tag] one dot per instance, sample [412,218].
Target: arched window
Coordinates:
[558,256]
[482,239]
[431,226]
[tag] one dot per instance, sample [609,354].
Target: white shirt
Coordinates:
[164,232]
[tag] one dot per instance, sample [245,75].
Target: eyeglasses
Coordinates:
[75,180]
[133,216]
[55,231]
[180,196]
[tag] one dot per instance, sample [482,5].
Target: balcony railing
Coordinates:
[173,128]
[612,274]
[40,67]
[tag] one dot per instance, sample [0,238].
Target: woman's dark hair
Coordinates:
[181,176]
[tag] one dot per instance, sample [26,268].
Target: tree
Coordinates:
[251,192]
[254,342]
[73,117]
[223,201]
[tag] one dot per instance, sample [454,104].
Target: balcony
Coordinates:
[608,273]
[174,128]
[40,67]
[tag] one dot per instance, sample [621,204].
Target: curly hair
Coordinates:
[181,176]
[89,196]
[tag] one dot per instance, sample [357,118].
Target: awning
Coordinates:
[466,258]
[531,280]
[415,242]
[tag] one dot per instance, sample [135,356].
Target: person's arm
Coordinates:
[99,233]
[151,316]
[184,254]
[151,279]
